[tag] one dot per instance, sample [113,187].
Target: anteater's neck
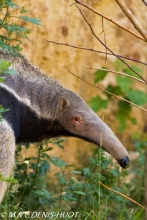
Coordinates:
[28,126]
[34,98]
[34,129]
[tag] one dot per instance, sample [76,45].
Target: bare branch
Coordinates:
[96,51]
[107,47]
[132,18]
[118,73]
[111,20]
[145,2]
[98,87]
[122,195]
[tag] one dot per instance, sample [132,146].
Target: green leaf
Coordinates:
[105,163]
[123,115]
[115,173]
[58,142]
[2,79]
[97,103]
[124,106]
[23,10]
[16,49]
[137,69]
[76,172]
[133,120]
[114,90]
[11,179]
[4,64]
[86,171]
[136,96]
[119,64]
[10,71]
[61,179]
[2,110]
[130,72]
[44,167]
[4,38]
[15,28]
[31,20]
[12,5]
[57,162]
[44,193]
[80,193]
[100,75]
[122,118]
[124,83]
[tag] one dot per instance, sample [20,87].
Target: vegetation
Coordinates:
[76,190]
[12,31]
[124,87]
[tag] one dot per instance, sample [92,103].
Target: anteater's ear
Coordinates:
[62,103]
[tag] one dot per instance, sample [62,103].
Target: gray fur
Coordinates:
[41,108]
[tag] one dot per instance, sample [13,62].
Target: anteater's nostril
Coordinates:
[124,162]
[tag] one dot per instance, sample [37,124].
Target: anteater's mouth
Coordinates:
[124,162]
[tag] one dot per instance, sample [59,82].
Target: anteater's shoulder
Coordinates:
[26,70]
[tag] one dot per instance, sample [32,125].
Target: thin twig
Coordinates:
[132,18]
[109,19]
[119,73]
[126,197]
[107,47]
[145,2]
[96,51]
[103,31]
[73,4]
[118,97]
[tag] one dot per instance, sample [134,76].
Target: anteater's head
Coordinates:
[80,121]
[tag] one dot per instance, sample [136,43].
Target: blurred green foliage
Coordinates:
[76,190]
[13,32]
[124,88]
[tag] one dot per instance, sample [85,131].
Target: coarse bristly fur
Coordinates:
[41,108]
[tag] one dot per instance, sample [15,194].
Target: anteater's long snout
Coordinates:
[101,133]
[124,162]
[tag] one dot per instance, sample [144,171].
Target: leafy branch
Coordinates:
[119,73]
[12,32]
[118,97]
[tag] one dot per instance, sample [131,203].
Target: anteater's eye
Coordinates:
[76,119]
